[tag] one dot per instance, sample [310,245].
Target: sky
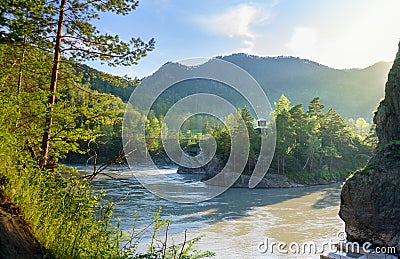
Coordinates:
[337,33]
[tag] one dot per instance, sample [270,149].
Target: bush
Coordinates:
[71,221]
[66,217]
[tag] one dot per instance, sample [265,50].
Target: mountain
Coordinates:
[351,92]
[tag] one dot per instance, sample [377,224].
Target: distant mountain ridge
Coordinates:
[351,92]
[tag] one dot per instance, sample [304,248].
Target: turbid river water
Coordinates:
[240,223]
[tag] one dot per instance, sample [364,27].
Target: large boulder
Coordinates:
[270,180]
[370,200]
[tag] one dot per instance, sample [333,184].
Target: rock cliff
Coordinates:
[370,200]
[270,180]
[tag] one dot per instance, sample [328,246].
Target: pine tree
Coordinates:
[362,126]
[336,136]
[67,31]
[315,108]
[285,133]
[80,114]
[153,134]
[298,117]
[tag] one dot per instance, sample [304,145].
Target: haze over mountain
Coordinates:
[351,92]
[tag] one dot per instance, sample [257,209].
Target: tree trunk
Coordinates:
[20,66]
[19,86]
[305,165]
[278,163]
[53,88]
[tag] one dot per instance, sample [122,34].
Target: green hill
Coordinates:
[352,92]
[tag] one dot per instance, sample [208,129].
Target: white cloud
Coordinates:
[303,42]
[358,37]
[237,23]
[249,45]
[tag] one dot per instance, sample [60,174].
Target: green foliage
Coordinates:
[315,145]
[71,221]
[105,83]
[67,218]
[360,126]
[36,21]
[285,132]
[160,249]
[65,215]
[153,134]
[311,145]
[353,93]
[80,115]
[366,169]
[66,30]
[222,137]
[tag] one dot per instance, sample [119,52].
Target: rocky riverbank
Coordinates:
[370,200]
[270,180]
[16,240]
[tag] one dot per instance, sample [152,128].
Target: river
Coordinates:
[240,223]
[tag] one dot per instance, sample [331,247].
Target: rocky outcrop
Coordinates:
[211,169]
[387,117]
[269,181]
[370,200]
[186,170]
[16,240]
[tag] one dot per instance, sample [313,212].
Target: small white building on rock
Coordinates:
[261,127]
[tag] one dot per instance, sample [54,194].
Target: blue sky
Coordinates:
[336,33]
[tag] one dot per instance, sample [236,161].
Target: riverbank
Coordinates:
[269,180]
[16,239]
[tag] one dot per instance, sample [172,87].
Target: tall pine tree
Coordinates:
[66,30]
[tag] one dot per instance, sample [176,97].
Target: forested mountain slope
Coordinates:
[353,92]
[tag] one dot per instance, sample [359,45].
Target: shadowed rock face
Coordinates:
[16,239]
[370,200]
[387,118]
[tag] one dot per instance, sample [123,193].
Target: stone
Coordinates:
[387,117]
[370,200]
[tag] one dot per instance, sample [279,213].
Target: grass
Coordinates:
[70,221]
[66,217]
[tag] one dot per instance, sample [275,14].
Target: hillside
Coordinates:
[16,238]
[352,92]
